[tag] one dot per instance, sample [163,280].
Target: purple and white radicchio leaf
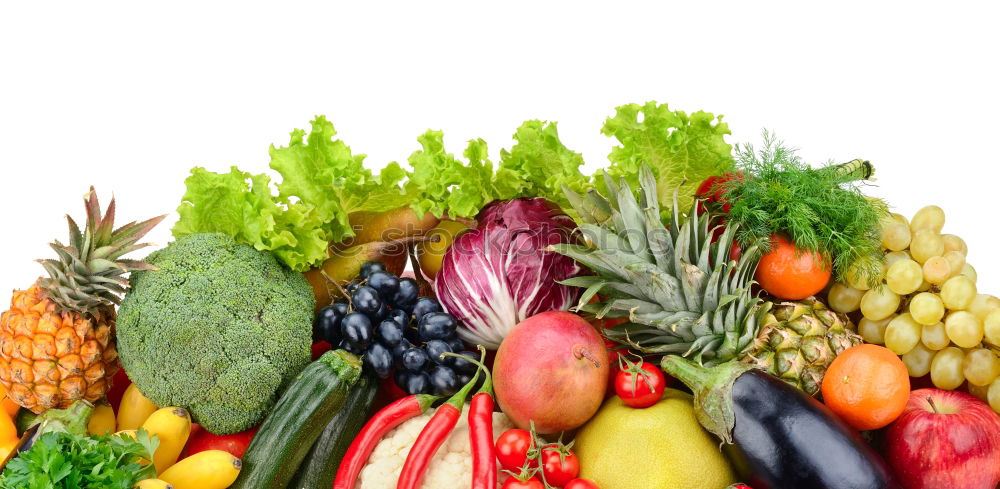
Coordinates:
[499,274]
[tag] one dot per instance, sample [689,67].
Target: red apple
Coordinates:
[552,369]
[945,440]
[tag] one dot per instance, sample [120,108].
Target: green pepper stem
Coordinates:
[488,383]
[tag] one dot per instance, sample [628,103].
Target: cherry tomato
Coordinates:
[236,443]
[512,449]
[739,486]
[640,385]
[559,466]
[580,484]
[532,483]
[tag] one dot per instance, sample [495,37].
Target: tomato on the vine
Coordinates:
[512,449]
[580,484]
[559,465]
[640,384]
[514,483]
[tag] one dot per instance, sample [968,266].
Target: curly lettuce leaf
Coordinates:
[681,149]
[539,165]
[322,182]
[441,183]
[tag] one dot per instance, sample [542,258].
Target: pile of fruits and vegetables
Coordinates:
[693,315]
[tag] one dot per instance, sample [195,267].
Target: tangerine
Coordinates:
[789,273]
[867,385]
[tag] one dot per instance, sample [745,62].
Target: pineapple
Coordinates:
[682,294]
[57,340]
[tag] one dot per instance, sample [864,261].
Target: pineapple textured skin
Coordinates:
[51,359]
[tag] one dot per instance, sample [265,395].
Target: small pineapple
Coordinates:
[683,295]
[57,340]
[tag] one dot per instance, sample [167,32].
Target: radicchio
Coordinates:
[499,274]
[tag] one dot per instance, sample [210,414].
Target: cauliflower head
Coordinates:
[218,328]
[451,467]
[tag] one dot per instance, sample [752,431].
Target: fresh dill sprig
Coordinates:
[819,209]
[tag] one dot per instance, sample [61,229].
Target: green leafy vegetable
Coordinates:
[322,182]
[59,460]
[820,209]
[681,149]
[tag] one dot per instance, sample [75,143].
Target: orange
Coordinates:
[789,273]
[867,386]
[8,406]
[8,431]
[7,447]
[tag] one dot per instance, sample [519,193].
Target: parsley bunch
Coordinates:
[60,460]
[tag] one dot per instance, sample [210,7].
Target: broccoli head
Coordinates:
[218,328]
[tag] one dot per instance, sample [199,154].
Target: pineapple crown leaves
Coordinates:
[89,273]
[678,288]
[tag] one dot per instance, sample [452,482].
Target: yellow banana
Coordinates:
[102,420]
[171,425]
[211,469]
[134,409]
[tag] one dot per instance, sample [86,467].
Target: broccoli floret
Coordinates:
[218,328]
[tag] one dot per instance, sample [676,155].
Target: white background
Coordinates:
[128,97]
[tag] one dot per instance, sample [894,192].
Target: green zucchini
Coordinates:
[320,466]
[315,396]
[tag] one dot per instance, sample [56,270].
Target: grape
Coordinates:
[389,332]
[926,308]
[425,305]
[434,350]
[970,273]
[934,336]
[356,328]
[385,283]
[946,368]
[463,366]
[369,268]
[964,329]
[954,243]
[409,289]
[983,305]
[902,334]
[379,360]
[879,303]
[918,361]
[930,217]
[350,347]
[416,383]
[980,366]
[895,256]
[956,261]
[366,300]
[936,270]
[436,326]
[895,235]
[958,293]
[991,327]
[444,381]
[924,287]
[844,298]
[456,345]
[904,277]
[327,324]
[415,359]
[993,395]
[873,331]
[400,317]
[926,244]
[980,391]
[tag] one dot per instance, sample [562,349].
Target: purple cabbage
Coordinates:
[499,274]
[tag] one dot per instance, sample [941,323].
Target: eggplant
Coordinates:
[783,437]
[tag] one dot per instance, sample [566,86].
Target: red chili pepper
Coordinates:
[385,420]
[431,438]
[484,466]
